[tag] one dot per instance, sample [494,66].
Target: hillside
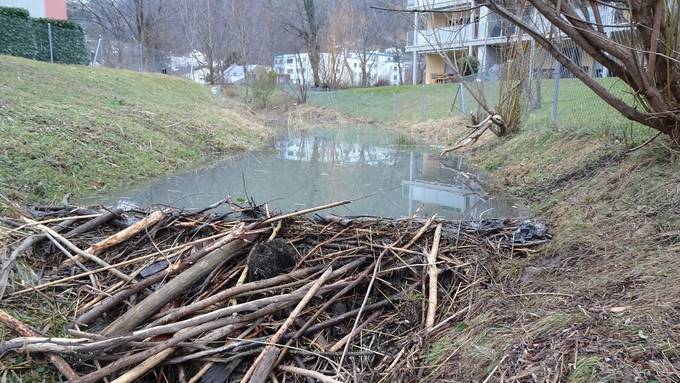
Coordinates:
[74,129]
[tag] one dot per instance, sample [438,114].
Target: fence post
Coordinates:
[556,93]
[49,37]
[422,101]
[394,104]
[462,98]
[96,50]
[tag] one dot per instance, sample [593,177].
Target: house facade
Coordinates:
[476,31]
[341,69]
[51,9]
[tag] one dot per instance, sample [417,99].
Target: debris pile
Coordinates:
[249,296]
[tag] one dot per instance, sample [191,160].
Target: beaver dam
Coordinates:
[244,294]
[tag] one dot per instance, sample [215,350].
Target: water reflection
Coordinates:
[305,171]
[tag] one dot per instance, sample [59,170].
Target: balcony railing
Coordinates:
[433,4]
[444,37]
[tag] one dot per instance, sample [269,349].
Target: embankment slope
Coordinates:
[74,129]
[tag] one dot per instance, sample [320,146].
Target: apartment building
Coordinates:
[343,69]
[476,31]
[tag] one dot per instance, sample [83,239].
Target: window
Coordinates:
[289,61]
[394,69]
[289,71]
[394,77]
[355,65]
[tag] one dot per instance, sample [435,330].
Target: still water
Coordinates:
[306,170]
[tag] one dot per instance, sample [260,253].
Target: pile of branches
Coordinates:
[249,296]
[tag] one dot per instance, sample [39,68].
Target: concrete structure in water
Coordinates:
[477,31]
[51,9]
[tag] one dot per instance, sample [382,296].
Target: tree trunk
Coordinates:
[312,38]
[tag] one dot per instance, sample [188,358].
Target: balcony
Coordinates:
[444,38]
[433,4]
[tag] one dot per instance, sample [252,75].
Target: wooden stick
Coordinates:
[432,272]
[268,350]
[304,211]
[233,291]
[24,330]
[83,254]
[179,284]
[308,373]
[122,235]
[139,370]
[339,344]
[93,223]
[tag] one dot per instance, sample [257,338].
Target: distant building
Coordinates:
[51,9]
[344,69]
[234,74]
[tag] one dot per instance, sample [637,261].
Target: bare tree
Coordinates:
[640,45]
[202,22]
[305,24]
[393,27]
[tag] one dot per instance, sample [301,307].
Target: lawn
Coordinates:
[579,109]
[76,129]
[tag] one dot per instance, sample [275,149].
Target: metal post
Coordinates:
[96,51]
[462,99]
[49,36]
[422,101]
[556,93]
[414,69]
[394,104]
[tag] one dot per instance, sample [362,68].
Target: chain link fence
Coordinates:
[134,56]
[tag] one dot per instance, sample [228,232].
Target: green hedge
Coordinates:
[17,37]
[14,12]
[27,37]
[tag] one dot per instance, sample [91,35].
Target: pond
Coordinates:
[364,164]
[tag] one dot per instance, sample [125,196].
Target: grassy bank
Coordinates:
[600,302]
[74,129]
[578,109]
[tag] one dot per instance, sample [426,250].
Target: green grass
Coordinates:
[79,129]
[579,109]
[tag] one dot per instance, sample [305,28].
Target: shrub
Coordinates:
[68,44]
[263,82]
[467,65]
[14,12]
[16,36]
[23,36]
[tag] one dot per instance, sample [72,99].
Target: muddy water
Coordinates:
[304,170]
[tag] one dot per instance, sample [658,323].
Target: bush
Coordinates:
[263,82]
[14,12]
[65,24]
[23,36]
[16,36]
[467,65]
[68,45]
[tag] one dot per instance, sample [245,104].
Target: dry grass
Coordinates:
[436,132]
[305,117]
[613,261]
